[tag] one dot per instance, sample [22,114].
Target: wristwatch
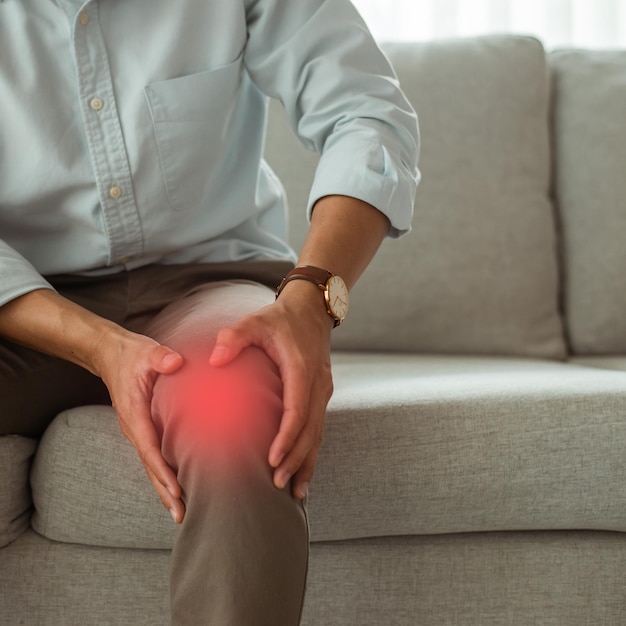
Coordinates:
[333,286]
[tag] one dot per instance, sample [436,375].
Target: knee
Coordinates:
[227,415]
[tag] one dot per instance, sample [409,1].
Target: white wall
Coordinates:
[559,23]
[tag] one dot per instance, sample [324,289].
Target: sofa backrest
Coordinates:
[479,272]
[590,187]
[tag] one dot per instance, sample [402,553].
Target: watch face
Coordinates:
[337,297]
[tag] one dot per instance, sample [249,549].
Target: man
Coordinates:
[143,237]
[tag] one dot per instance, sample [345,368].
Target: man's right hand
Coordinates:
[127,362]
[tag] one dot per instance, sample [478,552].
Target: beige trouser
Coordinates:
[240,556]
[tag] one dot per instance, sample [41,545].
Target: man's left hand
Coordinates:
[295,333]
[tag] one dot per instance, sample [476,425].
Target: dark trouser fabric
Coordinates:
[35,387]
[241,554]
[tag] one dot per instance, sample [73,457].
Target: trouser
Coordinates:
[240,555]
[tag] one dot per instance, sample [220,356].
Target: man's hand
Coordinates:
[129,365]
[295,332]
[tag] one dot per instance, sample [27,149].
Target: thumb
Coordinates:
[228,345]
[166,361]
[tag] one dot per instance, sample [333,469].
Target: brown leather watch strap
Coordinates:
[314,275]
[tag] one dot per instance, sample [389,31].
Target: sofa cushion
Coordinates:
[590,143]
[16,454]
[425,445]
[603,362]
[479,272]
[89,485]
[413,445]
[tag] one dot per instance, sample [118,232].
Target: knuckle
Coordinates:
[299,417]
[326,385]
[303,419]
[144,459]
[145,456]
[328,379]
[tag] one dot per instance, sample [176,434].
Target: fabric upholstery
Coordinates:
[89,485]
[422,445]
[479,272]
[482,579]
[43,583]
[15,500]
[492,579]
[603,362]
[413,445]
[590,153]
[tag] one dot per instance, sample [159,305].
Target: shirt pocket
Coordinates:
[191,116]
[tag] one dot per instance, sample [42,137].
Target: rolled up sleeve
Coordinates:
[17,275]
[342,99]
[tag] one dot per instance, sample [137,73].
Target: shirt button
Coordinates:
[96,104]
[115,192]
[84,18]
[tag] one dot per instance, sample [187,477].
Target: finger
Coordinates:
[163,479]
[296,402]
[165,361]
[157,466]
[300,462]
[304,403]
[296,380]
[143,436]
[229,344]
[175,506]
[302,478]
[303,454]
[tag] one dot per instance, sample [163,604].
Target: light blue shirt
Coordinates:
[131,131]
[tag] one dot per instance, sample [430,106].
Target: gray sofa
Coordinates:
[474,463]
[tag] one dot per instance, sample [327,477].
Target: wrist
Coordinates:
[332,287]
[45,321]
[305,299]
[105,352]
